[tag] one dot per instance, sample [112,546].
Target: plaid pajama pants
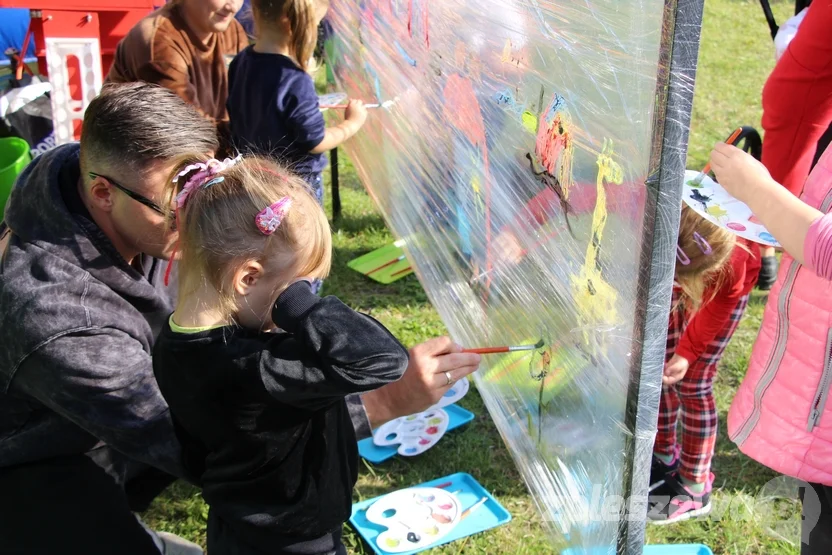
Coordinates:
[694,395]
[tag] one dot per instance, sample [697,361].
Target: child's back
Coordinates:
[261,414]
[267,412]
[274,109]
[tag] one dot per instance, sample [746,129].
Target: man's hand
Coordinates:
[675,370]
[424,382]
[739,173]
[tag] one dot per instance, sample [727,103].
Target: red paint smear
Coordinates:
[432,430]
[550,143]
[463,111]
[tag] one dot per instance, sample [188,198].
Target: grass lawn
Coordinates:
[736,57]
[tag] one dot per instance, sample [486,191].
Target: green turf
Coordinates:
[736,57]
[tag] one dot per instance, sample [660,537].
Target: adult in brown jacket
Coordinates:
[185,46]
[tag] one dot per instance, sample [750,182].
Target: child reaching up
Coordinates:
[781,415]
[255,367]
[272,103]
[715,272]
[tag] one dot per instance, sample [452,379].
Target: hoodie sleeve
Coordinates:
[333,351]
[102,381]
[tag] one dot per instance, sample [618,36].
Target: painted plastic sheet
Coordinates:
[513,154]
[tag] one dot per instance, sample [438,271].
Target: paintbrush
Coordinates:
[506,349]
[385,104]
[697,181]
[399,259]
[467,512]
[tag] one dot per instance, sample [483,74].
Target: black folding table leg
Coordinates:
[336,194]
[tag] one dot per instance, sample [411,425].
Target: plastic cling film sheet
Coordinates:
[524,151]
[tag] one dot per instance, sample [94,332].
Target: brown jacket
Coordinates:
[162,49]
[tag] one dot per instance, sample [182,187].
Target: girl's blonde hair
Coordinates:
[704,271]
[218,233]
[301,16]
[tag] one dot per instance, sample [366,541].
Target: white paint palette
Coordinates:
[415,434]
[414,518]
[713,203]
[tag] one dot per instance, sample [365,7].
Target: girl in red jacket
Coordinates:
[715,272]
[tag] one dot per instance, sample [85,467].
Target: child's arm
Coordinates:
[333,351]
[785,216]
[354,117]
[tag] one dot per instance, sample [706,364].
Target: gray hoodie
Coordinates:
[77,326]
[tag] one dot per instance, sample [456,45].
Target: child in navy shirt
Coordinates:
[261,413]
[272,102]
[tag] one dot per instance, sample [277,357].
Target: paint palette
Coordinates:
[414,518]
[454,394]
[415,434]
[480,512]
[371,452]
[713,203]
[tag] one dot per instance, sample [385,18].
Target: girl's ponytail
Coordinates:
[301,15]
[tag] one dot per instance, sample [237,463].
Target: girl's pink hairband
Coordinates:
[204,177]
[270,218]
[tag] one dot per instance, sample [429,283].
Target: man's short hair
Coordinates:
[129,126]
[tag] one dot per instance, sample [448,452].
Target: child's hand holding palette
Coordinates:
[712,202]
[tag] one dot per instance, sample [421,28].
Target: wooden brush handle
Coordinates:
[486,350]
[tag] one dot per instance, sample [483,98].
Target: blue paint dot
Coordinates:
[410,450]
[766,236]
[449,393]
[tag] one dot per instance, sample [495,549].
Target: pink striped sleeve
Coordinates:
[817,249]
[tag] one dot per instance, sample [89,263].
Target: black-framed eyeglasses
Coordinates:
[136,196]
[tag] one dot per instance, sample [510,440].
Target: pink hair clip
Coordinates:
[270,218]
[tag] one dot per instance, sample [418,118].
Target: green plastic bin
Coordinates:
[14,156]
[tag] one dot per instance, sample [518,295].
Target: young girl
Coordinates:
[261,413]
[715,272]
[272,103]
[781,416]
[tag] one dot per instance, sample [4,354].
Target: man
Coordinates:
[83,426]
[186,47]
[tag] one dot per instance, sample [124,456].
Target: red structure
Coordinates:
[106,21]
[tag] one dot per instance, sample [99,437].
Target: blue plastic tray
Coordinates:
[490,515]
[457,415]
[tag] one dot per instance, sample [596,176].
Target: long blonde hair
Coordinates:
[703,271]
[218,233]
[301,17]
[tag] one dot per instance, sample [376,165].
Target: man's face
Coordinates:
[211,16]
[138,226]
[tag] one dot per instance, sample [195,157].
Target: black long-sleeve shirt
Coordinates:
[262,416]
